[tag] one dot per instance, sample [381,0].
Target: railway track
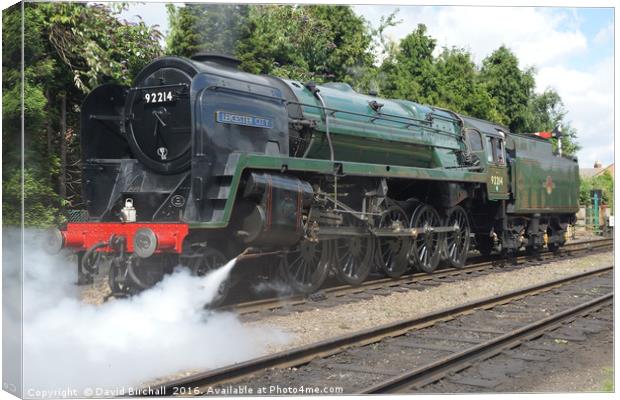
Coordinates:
[336,295]
[380,359]
[505,343]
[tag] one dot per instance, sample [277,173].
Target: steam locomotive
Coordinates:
[199,161]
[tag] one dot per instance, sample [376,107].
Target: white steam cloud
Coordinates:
[125,342]
[277,287]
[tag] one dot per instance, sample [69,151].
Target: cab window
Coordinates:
[474,139]
[499,151]
[495,150]
[490,149]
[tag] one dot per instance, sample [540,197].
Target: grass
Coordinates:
[608,381]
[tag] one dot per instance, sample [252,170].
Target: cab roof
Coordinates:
[486,127]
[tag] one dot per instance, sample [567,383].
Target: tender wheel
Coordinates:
[207,260]
[392,251]
[555,234]
[353,256]
[457,242]
[508,253]
[426,248]
[533,251]
[306,265]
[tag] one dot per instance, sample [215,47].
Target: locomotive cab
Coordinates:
[488,143]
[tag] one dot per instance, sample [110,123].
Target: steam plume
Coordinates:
[125,342]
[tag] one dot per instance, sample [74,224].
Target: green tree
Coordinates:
[370,78]
[604,182]
[409,70]
[450,80]
[459,88]
[211,28]
[40,200]
[351,40]
[321,43]
[69,48]
[299,42]
[546,112]
[95,45]
[509,86]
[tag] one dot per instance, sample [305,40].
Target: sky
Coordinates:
[571,49]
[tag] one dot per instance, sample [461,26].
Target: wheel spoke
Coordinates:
[307,273]
[296,261]
[348,253]
[305,266]
[453,249]
[349,266]
[458,241]
[428,246]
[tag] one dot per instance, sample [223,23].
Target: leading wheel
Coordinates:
[457,241]
[353,255]
[117,278]
[130,275]
[306,265]
[426,248]
[393,250]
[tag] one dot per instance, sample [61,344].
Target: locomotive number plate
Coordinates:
[162,96]
[497,180]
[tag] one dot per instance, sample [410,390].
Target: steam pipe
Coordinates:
[329,138]
[247,254]
[311,86]
[309,145]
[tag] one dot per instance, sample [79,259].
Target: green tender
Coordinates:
[542,182]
